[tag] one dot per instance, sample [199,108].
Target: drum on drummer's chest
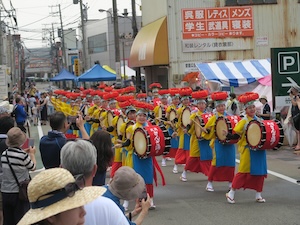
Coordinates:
[185,117]
[265,134]
[226,123]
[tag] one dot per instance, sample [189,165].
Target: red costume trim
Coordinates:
[115,166]
[223,173]
[150,191]
[248,181]
[157,167]
[181,156]
[171,153]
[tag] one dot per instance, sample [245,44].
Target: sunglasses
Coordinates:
[57,195]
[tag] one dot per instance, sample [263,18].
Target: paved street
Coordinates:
[188,203]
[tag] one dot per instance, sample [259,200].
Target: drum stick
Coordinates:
[202,128]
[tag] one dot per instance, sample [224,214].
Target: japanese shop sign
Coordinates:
[217,22]
[207,45]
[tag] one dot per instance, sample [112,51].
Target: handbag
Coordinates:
[23,185]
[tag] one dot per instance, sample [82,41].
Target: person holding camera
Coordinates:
[16,164]
[295,111]
[129,185]
[51,144]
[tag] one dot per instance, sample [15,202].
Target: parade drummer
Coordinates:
[127,152]
[143,166]
[93,113]
[155,87]
[172,108]
[253,163]
[200,151]
[130,113]
[183,153]
[162,107]
[141,97]
[223,163]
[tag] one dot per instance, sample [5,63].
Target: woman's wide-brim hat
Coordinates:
[15,137]
[51,180]
[127,184]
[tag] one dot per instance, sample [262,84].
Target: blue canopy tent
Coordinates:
[97,73]
[64,75]
[235,74]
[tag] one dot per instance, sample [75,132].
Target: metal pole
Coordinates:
[123,48]
[83,39]
[138,79]
[1,40]
[117,40]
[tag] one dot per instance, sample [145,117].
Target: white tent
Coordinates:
[129,72]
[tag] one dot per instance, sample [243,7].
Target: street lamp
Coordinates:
[111,16]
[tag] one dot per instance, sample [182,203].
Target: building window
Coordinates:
[249,2]
[97,43]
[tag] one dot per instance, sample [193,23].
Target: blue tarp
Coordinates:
[97,73]
[64,75]
[236,74]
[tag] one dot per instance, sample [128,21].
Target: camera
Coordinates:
[143,195]
[72,120]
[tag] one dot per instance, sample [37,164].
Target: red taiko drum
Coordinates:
[148,141]
[265,134]
[226,123]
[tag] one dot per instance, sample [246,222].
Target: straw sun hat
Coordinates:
[48,196]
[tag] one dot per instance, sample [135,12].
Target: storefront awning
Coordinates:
[150,46]
[236,74]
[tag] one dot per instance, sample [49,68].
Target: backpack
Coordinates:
[13,113]
[233,107]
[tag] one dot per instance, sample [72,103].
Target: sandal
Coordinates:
[175,171]
[184,179]
[260,200]
[210,189]
[229,200]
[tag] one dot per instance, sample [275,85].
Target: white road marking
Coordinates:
[40,130]
[279,175]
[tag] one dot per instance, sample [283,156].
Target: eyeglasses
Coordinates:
[57,195]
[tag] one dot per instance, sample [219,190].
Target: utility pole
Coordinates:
[117,40]
[62,40]
[138,78]
[134,25]
[1,39]
[83,38]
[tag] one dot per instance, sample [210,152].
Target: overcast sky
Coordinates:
[35,15]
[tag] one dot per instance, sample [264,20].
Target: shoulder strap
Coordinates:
[13,172]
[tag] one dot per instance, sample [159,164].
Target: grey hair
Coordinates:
[79,157]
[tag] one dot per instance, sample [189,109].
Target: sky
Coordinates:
[35,17]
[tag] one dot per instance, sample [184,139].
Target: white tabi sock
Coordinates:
[231,194]
[183,173]
[258,195]
[209,184]
[175,167]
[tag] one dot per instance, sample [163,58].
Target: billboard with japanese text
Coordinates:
[217,22]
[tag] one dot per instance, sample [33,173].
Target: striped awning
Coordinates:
[236,74]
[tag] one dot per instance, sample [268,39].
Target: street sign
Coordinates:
[76,67]
[285,64]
